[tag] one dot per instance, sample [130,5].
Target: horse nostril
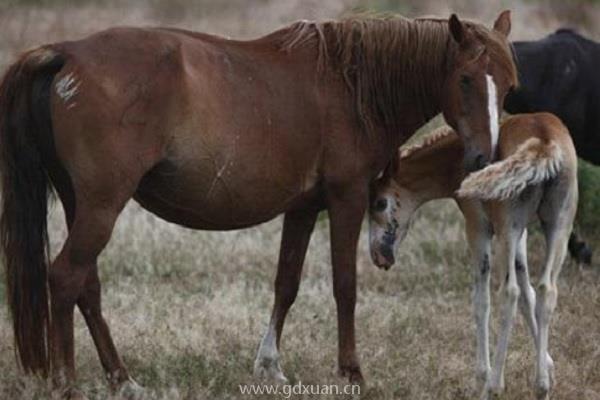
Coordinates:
[387,253]
[380,205]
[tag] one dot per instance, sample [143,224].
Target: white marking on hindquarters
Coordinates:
[493,112]
[67,87]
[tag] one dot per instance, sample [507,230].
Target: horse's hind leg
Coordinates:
[89,304]
[511,226]
[527,297]
[557,223]
[72,281]
[297,228]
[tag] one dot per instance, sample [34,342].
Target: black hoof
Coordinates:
[580,251]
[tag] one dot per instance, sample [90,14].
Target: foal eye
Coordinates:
[380,205]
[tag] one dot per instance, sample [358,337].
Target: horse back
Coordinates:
[234,129]
[546,127]
[557,75]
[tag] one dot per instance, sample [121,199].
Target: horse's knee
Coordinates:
[512,293]
[286,291]
[344,287]
[345,296]
[547,296]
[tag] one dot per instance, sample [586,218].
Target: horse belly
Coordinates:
[219,190]
[244,147]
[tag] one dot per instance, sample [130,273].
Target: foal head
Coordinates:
[389,217]
[426,171]
[482,73]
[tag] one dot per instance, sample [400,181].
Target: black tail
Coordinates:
[25,130]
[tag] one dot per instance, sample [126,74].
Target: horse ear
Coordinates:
[390,171]
[457,29]
[502,23]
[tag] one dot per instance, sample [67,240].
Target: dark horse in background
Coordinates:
[559,74]
[219,134]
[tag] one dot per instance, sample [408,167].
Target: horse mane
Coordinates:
[427,141]
[386,59]
[567,30]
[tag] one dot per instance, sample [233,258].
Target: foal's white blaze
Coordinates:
[493,112]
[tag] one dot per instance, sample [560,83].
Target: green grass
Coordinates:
[588,212]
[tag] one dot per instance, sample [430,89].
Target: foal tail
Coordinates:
[534,162]
[25,142]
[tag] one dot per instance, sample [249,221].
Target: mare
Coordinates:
[218,134]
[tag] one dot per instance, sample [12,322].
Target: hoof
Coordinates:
[129,390]
[352,373]
[542,389]
[551,370]
[267,369]
[71,394]
[482,378]
[542,394]
[580,251]
[495,394]
[492,392]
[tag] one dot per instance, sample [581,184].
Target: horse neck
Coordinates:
[433,172]
[395,69]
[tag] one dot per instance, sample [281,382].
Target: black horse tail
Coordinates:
[25,131]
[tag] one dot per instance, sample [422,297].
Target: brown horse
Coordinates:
[218,134]
[536,176]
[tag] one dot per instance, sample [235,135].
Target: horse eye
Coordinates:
[380,205]
[465,81]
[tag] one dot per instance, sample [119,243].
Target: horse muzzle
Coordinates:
[383,256]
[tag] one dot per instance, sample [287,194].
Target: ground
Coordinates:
[187,309]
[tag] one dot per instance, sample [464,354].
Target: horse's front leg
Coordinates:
[347,206]
[297,229]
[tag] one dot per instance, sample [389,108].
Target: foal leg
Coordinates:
[527,297]
[509,238]
[297,229]
[527,300]
[347,207]
[479,237]
[556,239]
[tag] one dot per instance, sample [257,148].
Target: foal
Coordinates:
[535,174]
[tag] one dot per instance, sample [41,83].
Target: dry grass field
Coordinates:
[187,309]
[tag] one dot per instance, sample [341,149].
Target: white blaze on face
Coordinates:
[493,112]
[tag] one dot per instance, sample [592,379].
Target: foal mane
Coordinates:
[386,59]
[427,141]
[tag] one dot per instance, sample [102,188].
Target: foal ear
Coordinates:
[502,23]
[457,29]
